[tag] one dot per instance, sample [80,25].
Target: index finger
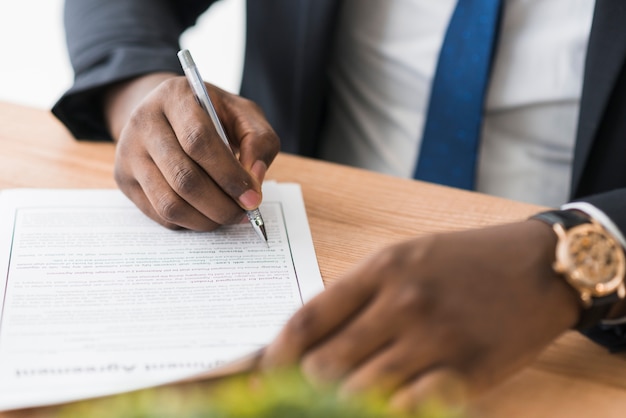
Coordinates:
[319,319]
[200,141]
[248,130]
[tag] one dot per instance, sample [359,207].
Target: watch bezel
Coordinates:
[574,272]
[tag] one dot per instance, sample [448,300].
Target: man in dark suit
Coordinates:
[476,304]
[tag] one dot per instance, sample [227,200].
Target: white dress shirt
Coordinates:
[381,72]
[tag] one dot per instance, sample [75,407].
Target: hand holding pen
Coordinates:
[199,90]
[172,163]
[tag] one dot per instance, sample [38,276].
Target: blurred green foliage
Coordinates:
[277,395]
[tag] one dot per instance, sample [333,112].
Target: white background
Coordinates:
[35,69]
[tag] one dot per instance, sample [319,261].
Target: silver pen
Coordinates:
[202,96]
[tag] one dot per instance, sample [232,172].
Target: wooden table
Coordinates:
[352,213]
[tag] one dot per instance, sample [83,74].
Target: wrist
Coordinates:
[590,260]
[120,99]
[565,300]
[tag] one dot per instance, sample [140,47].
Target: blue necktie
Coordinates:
[453,123]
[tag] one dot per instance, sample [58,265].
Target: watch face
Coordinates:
[591,259]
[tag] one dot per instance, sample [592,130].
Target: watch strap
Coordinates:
[600,309]
[567,218]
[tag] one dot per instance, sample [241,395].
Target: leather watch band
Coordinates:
[567,218]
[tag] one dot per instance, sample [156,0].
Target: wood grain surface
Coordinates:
[352,213]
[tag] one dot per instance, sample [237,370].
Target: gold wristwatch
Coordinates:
[590,259]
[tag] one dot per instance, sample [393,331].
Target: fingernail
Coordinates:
[250,199]
[258,170]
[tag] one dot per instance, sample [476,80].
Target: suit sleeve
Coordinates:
[112,40]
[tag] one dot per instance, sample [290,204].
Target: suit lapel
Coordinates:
[605,58]
[318,20]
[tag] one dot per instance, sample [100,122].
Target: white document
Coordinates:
[99,299]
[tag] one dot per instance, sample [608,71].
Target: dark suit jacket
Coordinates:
[287,51]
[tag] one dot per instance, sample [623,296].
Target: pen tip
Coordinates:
[264,232]
[255,218]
